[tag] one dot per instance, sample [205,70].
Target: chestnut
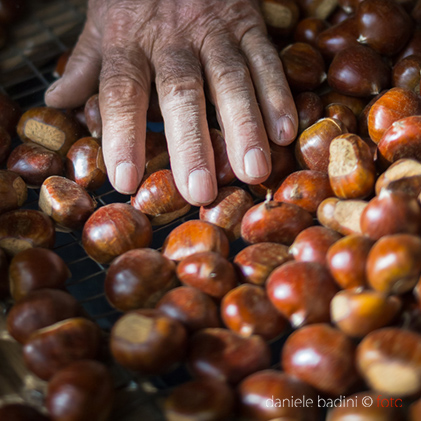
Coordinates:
[156,152]
[312,244]
[393,105]
[346,260]
[159,199]
[305,188]
[389,360]
[68,204]
[10,113]
[208,271]
[355,104]
[343,113]
[401,140]
[281,16]
[227,210]
[148,341]
[93,116]
[138,279]
[413,45]
[254,263]
[85,164]
[358,313]
[24,228]
[322,357]
[4,274]
[312,146]
[201,400]
[50,128]
[341,215]
[195,236]
[36,268]
[351,170]
[309,108]
[272,394]
[5,144]
[359,71]
[39,309]
[391,213]
[383,25]
[224,355]
[191,307]
[304,66]
[272,221]
[20,412]
[302,291]
[363,121]
[224,173]
[52,348]
[82,391]
[407,73]
[34,163]
[394,263]
[308,29]
[318,8]
[247,310]
[114,229]
[13,191]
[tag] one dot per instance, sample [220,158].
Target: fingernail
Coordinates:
[201,187]
[53,86]
[126,178]
[286,130]
[255,163]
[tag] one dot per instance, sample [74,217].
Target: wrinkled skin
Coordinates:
[187,47]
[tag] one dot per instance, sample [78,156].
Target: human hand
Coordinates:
[186,47]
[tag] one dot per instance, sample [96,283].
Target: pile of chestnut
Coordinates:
[330,243]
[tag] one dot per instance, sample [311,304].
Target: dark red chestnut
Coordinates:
[309,107]
[156,152]
[5,144]
[114,229]
[13,191]
[343,113]
[93,116]
[308,29]
[407,73]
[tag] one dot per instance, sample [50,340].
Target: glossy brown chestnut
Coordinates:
[224,173]
[228,210]
[39,309]
[265,395]
[148,341]
[254,263]
[383,25]
[195,236]
[159,199]
[358,71]
[208,271]
[114,229]
[85,164]
[156,152]
[389,360]
[363,120]
[93,116]
[13,191]
[391,213]
[394,263]
[354,103]
[395,104]
[20,412]
[407,73]
[305,188]
[247,310]
[351,170]
[276,222]
[412,47]
[346,260]
[309,108]
[52,348]
[191,307]
[302,291]
[50,128]
[200,400]
[343,113]
[312,244]
[308,29]
[10,113]
[402,140]
[322,357]
[24,228]
[341,215]
[222,354]
[5,144]
[67,203]
[36,268]
[82,391]
[312,147]
[34,163]
[138,279]
[304,66]
[357,313]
